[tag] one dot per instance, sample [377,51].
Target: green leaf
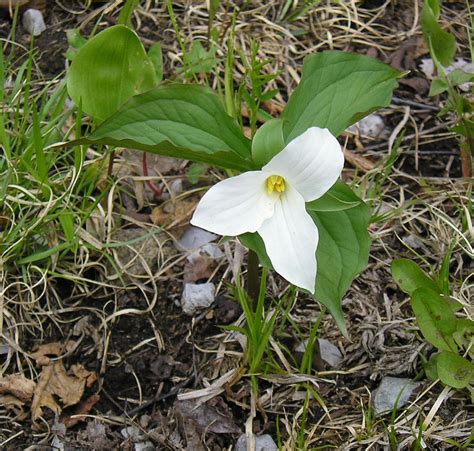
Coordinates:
[464,332]
[156,59]
[339,197]
[435,319]
[431,367]
[108,70]
[438,86]
[336,90]
[268,141]
[200,60]
[456,77]
[442,43]
[343,252]
[454,370]
[409,276]
[75,38]
[254,241]
[125,16]
[182,121]
[195,172]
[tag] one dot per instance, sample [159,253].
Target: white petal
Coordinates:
[236,205]
[291,239]
[312,162]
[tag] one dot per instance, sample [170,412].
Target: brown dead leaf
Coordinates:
[13,404]
[83,408]
[56,349]
[199,267]
[360,162]
[212,416]
[18,386]
[419,84]
[173,214]
[83,373]
[55,382]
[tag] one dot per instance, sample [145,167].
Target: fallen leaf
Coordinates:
[54,381]
[83,408]
[56,349]
[14,405]
[199,267]
[82,373]
[173,213]
[359,161]
[212,416]
[418,84]
[18,386]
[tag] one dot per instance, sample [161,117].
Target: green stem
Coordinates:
[253,277]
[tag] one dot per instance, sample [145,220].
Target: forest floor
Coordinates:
[157,378]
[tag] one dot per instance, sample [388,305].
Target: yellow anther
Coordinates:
[275,183]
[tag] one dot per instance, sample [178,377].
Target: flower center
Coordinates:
[275,183]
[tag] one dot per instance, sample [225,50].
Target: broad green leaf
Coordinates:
[254,241]
[342,253]
[435,319]
[339,197]
[112,67]
[431,367]
[454,370]
[336,90]
[182,121]
[195,171]
[200,60]
[268,141]
[156,59]
[409,276]
[456,77]
[126,13]
[442,43]
[464,333]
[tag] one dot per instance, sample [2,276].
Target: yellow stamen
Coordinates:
[275,183]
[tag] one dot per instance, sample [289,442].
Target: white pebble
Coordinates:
[197,296]
[33,22]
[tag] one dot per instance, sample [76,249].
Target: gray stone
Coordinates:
[329,352]
[372,126]
[197,296]
[144,446]
[262,443]
[176,187]
[33,22]
[194,238]
[392,391]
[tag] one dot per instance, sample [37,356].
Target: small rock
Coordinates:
[262,443]
[194,238]
[144,446]
[96,435]
[371,126]
[329,352]
[57,443]
[33,22]
[391,392]
[131,432]
[197,296]
[227,310]
[176,187]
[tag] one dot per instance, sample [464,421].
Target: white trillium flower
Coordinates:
[272,201]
